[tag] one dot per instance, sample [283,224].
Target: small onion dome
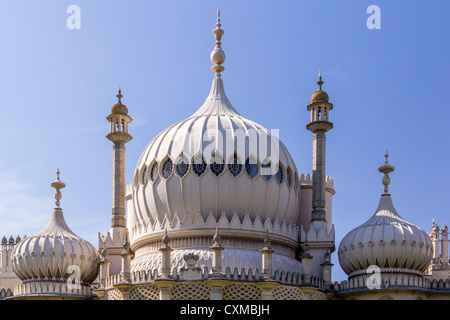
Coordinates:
[18,239]
[319,95]
[385,240]
[4,240]
[52,250]
[11,240]
[119,108]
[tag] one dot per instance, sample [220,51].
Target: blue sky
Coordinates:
[388,87]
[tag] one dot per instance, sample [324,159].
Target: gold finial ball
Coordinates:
[386,180]
[217,56]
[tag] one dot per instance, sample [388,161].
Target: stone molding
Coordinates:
[51,287]
[183,226]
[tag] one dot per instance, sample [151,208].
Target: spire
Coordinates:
[386,169]
[217,102]
[57,184]
[320,82]
[119,95]
[119,107]
[217,55]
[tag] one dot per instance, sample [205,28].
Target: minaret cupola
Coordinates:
[119,120]
[320,108]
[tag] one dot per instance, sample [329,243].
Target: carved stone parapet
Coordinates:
[320,125]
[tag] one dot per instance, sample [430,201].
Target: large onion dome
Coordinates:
[47,260]
[386,240]
[214,169]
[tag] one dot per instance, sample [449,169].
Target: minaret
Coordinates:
[119,120]
[319,239]
[112,243]
[319,125]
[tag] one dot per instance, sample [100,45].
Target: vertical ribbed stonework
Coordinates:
[319,125]
[119,135]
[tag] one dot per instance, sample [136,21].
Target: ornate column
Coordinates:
[216,255]
[267,257]
[434,235]
[306,263]
[104,268]
[444,244]
[326,269]
[125,274]
[165,257]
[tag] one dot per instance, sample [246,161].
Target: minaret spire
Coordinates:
[320,82]
[119,95]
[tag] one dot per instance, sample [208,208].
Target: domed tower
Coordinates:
[55,263]
[112,243]
[119,120]
[387,244]
[215,170]
[317,232]
[319,125]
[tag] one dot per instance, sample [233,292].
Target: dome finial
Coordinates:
[386,169]
[319,95]
[320,82]
[119,95]
[217,55]
[57,184]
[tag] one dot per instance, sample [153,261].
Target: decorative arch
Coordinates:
[182,165]
[199,164]
[167,168]
[234,165]
[216,164]
[251,167]
[154,174]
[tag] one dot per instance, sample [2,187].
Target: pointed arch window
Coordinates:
[144,175]
[289,177]
[199,165]
[266,169]
[235,167]
[251,167]
[279,174]
[216,165]
[182,166]
[154,172]
[167,168]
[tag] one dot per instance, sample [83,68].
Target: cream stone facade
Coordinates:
[218,210]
